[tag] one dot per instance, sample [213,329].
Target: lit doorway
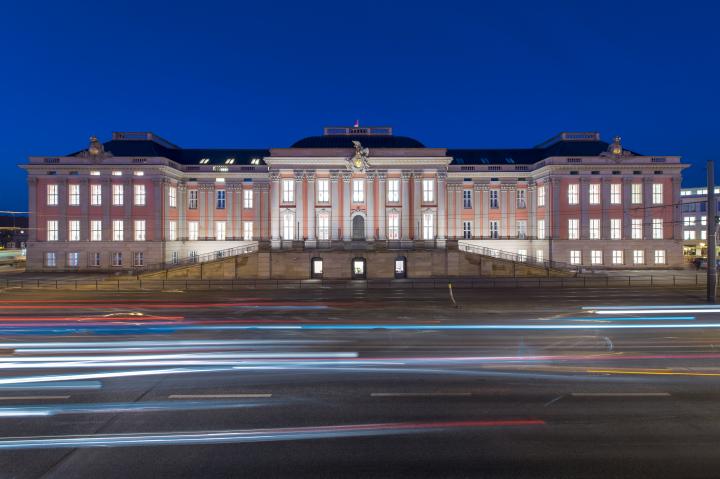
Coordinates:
[400,267]
[358,268]
[316,268]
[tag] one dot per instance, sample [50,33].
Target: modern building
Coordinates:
[694,221]
[138,199]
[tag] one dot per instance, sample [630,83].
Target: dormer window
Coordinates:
[484,161]
[230,161]
[509,160]
[255,161]
[205,161]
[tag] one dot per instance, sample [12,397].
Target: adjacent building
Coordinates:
[139,199]
[694,221]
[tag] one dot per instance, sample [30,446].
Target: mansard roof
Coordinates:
[368,141]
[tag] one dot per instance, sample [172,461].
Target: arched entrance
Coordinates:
[358,227]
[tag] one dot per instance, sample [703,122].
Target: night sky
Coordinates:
[264,74]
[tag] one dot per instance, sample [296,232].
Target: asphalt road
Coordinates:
[359,383]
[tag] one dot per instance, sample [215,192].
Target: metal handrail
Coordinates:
[518,258]
[201,258]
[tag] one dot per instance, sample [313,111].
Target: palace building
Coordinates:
[353,202]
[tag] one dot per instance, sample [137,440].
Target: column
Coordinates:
[627,217]
[382,191]
[299,203]
[477,210]
[310,175]
[128,203]
[485,189]
[346,207]
[417,205]
[210,202]
[605,201]
[503,211]
[532,210]
[459,188]
[370,202]
[229,222]
[106,191]
[262,211]
[33,208]
[584,211]
[442,210]
[62,211]
[512,206]
[676,212]
[555,210]
[84,209]
[182,206]
[648,210]
[275,209]
[202,229]
[405,226]
[335,207]
[165,207]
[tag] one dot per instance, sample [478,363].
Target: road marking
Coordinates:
[219,396]
[553,401]
[660,373]
[26,398]
[620,394]
[421,394]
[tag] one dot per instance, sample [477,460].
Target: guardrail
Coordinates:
[640,281]
[201,258]
[519,258]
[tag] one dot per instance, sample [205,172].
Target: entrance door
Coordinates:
[400,267]
[358,268]
[358,232]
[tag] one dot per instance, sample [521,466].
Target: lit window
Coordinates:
[575,257]
[703,221]
[703,234]
[74,230]
[638,256]
[192,199]
[117,173]
[96,230]
[689,221]
[393,190]
[117,195]
[617,256]
[636,193]
[95,195]
[220,230]
[493,198]
[428,226]
[594,229]
[393,226]
[358,191]
[494,229]
[248,230]
[204,161]
[193,230]
[595,194]
[117,258]
[52,195]
[139,173]
[138,258]
[689,234]
[428,186]
[52,230]
[230,161]
[467,199]
[659,256]
[540,229]
[657,193]
[73,195]
[467,229]
[521,203]
[172,197]
[657,228]
[94,173]
[288,226]
[220,199]
[73,259]
[118,230]
[573,194]
[219,180]
[172,230]
[522,254]
[596,257]
[615,229]
[573,229]
[636,228]
[324,226]
[50,259]
[615,194]
[323,190]
[288,191]
[541,196]
[522,229]
[255,161]
[539,255]
[139,195]
[139,230]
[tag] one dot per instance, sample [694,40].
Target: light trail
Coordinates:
[256,435]
[105,375]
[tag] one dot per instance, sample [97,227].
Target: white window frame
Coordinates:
[660,256]
[95,259]
[494,229]
[521,199]
[467,199]
[689,234]
[220,230]
[638,256]
[139,230]
[541,229]
[323,190]
[494,199]
[596,256]
[74,230]
[220,199]
[428,187]
[358,190]
[657,193]
[595,230]
[467,229]
[573,194]
[172,197]
[428,226]
[139,195]
[636,228]
[95,194]
[521,228]
[393,226]
[541,196]
[575,257]
[323,226]
[193,230]
[138,258]
[96,230]
[288,190]
[288,226]
[615,229]
[118,230]
[247,198]
[50,259]
[636,194]
[117,195]
[172,230]
[618,257]
[573,229]
[393,190]
[615,194]
[247,230]
[594,194]
[52,194]
[74,194]
[73,259]
[117,259]
[52,230]
[689,221]
[192,199]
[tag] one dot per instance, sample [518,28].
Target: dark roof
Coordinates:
[186,156]
[368,141]
[526,156]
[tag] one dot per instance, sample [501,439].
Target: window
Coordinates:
[95,195]
[138,258]
[703,221]
[393,190]
[220,230]
[117,173]
[74,230]
[52,230]
[638,256]
[522,254]
[288,190]
[521,200]
[467,229]
[96,230]
[689,234]
[659,256]
[139,195]
[324,226]
[117,258]
[493,198]
[117,230]
[52,195]
[428,226]
[117,195]
[248,230]
[323,190]
[139,230]
[689,221]
[50,260]
[615,194]
[522,229]
[73,259]
[596,256]
[220,199]
[193,256]
[139,173]
[247,198]
[467,199]
[573,194]
[494,229]
[539,255]
[393,226]
[617,256]
[316,268]
[636,197]
[174,257]
[703,234]
[575,256]
[657,193]
[288,226]
[358,191]
[541,196]
[74,195]
[636,228]
[172,197]
[657,228]
[616,229]
[192,199]
[94,259]
[594,193]
[540,229]
[94,173]
[573,229]
[428,185]
[193,230]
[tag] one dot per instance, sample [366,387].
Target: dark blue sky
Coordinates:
[263,74]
